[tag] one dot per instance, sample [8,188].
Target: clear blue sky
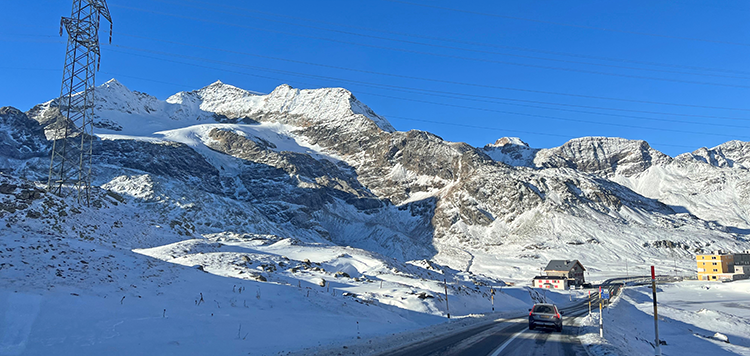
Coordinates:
[472,71]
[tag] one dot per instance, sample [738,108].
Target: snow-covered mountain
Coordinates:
[711,184]
[321,166]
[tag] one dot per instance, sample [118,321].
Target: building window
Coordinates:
[716,270]
[714,263]
[713,257]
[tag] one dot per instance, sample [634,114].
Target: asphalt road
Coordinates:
[506,337]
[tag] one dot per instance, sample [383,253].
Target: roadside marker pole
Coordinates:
[601,317]
[657,349]
[492,298]
[601,321]
[589,302]
[445,284]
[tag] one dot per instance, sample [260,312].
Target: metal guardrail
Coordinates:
[635,280]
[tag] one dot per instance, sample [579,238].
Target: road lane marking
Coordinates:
[505,344]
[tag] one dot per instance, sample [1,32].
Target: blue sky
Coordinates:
[673,73]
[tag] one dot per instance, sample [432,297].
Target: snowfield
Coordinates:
[711,317]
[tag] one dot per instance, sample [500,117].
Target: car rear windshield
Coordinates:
[544,309]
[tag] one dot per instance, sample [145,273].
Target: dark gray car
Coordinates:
[545,315]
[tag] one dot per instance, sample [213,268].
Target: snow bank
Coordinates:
[713,318]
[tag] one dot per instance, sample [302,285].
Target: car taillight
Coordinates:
[530,313]
[558,315]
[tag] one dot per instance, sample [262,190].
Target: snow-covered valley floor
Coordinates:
[695,318]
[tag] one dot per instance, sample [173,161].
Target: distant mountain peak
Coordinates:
[504,141]
[328,106]
[112,86]
[728,154]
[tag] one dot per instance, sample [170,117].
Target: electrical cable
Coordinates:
[418,90]
[433,80]
[569,25]
[438,54]
[454,105]
[459,48]
[481,44]
[533,133]
[504,129]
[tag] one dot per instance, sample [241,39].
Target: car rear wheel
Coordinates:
[559,328]
[531,326]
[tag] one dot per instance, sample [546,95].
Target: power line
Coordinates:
[29,41]
[31,69]
[428,102]
[534,133]
[441,55]
[433,80]
[145,79]
[560,118]
[416,90]
[461,48]
[398,117]
[569,25]
[569,137]
[481,44]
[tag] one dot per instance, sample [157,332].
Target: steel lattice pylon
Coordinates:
[73,132]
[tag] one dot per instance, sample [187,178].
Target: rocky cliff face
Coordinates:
[708,183]
[603,156]
[319,165]
[732,154]
[20,137]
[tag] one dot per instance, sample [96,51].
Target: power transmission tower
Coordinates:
[73,131]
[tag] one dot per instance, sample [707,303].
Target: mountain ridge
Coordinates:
[318,164]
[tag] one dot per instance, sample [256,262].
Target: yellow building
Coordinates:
[716,267]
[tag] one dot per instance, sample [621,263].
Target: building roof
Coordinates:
[549,277]
[562,265]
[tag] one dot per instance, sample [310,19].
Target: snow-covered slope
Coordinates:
[709,317]
[66,267]
[290,188]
